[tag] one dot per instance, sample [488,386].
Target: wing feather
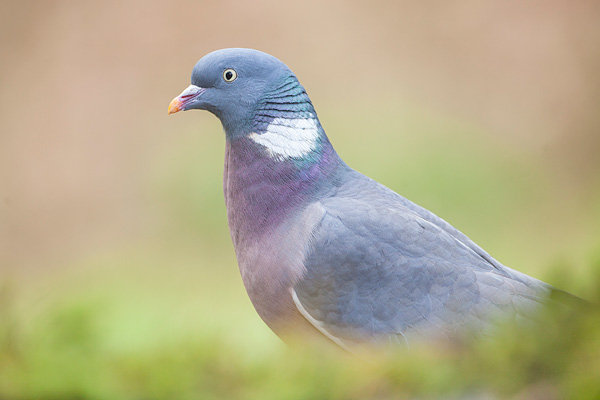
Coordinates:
[378,268]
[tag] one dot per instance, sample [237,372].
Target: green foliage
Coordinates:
[65,355]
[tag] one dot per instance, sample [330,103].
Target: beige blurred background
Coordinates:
[87,152]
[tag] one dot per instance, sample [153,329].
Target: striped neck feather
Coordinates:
[286,123]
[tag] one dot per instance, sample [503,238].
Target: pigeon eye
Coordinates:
[229,75]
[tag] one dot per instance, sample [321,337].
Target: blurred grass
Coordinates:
[167,317]
[67,354]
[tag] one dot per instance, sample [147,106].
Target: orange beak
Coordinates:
[185,99]
[175,106]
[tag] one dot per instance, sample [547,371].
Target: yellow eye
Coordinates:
[229,75]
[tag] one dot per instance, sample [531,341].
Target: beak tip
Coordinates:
[175,106]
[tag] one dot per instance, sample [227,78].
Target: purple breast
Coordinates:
[261,191]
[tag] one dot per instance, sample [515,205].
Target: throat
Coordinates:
[262,190]
[281,163]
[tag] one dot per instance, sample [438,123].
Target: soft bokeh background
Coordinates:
[117,274]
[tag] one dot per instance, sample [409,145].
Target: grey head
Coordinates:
[232,84]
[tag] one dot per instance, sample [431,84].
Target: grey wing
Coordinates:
[381,271]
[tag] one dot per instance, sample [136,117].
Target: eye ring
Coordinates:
[229,75]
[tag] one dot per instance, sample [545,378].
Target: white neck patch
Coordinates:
[289,138]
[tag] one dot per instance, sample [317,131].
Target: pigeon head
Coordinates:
[277,155]
[247,90]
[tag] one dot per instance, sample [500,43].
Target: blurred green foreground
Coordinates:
[166,316]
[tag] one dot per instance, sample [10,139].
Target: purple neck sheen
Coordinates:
[262,191]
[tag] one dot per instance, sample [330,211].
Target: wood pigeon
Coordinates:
[323,248]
